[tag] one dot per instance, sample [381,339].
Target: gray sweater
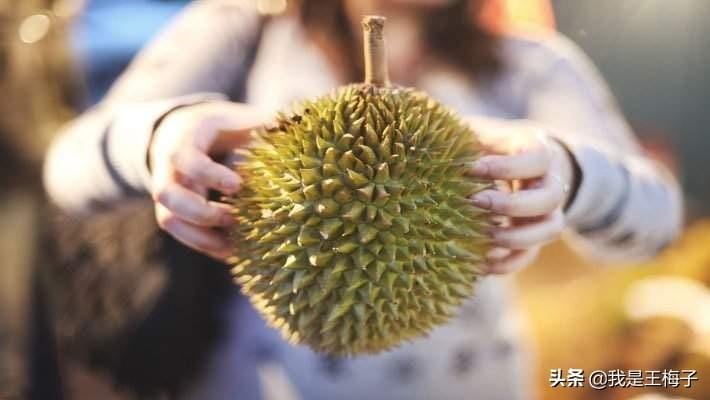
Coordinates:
[627,207]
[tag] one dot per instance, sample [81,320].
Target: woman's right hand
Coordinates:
[182,159]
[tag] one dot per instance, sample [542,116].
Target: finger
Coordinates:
[228,126]
[198,238]
[192,208]
[531,163]
[496,135]
[523,203]
[228,140]
[201,191]
[199,169]
[530,235]
[517,260]
[493,135]
[498,253]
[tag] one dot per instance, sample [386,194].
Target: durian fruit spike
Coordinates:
[355,231]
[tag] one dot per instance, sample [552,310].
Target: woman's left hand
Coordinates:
[538,173]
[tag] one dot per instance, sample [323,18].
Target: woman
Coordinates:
[577,168]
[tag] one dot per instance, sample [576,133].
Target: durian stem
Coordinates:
[375,50]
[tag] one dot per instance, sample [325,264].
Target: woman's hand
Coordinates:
[183,170]
[538,172]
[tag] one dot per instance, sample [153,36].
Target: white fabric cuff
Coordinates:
[602,183]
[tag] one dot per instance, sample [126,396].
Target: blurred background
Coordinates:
[57,57]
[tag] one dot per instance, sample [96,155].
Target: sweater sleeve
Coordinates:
[627,206]
[100,157]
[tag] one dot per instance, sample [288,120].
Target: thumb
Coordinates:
[493,135]
[232,124]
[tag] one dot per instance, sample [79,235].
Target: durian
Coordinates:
[354,230]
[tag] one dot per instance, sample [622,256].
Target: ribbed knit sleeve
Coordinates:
[627,207]
[100,157]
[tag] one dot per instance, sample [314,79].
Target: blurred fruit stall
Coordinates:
[652,317]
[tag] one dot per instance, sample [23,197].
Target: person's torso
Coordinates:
[464,359]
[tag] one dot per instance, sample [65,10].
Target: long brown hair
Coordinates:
[451,33]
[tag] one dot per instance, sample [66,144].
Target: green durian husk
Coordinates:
[354,230]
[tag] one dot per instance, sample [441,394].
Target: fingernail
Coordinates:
[481,200]
[229,184]
[497,253]
[479,168]
[227,220]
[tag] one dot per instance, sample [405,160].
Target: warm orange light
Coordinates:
[529,12]
[502,15]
